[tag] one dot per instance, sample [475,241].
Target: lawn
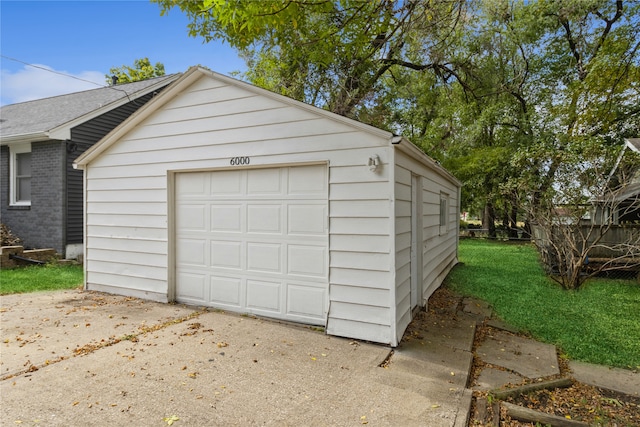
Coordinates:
[40,278]
[599,323]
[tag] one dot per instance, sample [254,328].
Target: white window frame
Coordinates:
[14,150]
[444,213]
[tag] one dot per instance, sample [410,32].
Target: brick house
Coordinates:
[40,192]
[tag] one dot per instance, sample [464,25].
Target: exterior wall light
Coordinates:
[373,163]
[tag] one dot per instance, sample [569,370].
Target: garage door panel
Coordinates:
[192,217]
[264,219]
[192,286]
[226,183]
[263,295]
[226,218]
[193,184]
[264,257]
[307,219]
[307,260]
[262,182]
[306,301]
[192,252]
[254,240]
[226,290]
[226,254]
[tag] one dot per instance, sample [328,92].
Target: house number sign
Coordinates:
[235,161]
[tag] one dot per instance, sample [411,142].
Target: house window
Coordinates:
[20,168]
[444,212]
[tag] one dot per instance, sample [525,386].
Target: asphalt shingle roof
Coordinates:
[42,115]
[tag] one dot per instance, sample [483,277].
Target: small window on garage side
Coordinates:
[444,212]
[20,169]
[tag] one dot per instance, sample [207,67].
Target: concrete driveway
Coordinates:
[74,358]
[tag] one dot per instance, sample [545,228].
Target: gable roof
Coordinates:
[53,118]
[195,73]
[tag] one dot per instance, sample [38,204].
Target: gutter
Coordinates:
[25,137]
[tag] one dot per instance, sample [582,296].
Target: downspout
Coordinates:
[83,168]
[392,236]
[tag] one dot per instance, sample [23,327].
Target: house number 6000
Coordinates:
[239,161]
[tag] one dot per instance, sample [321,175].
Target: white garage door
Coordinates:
[254,241]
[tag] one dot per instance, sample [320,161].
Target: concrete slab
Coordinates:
[476,307]
[441,405]
[619,380]
[147,362]
[527,357]
[42,327]
[455,331]
[455,373]
[492,378]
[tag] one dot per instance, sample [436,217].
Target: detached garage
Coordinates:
[222,194]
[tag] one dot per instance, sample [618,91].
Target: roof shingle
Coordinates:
[42,115]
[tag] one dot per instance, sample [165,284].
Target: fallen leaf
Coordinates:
[170,420]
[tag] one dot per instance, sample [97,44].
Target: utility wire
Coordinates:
[51,71]
[65,75]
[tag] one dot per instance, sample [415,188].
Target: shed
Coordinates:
[221,194]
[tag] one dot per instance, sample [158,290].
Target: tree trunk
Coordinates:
[513,218]
[489,220]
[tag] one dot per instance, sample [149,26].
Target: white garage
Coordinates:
[222,194]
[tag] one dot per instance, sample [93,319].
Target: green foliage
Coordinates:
[598,324]
[142,70]
[501,92]
[36,278]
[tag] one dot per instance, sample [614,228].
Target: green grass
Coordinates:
[599,323]
[40,278]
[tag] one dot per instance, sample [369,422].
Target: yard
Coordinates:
[600,323]
[36,278]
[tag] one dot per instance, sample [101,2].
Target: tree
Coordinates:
[141,70]
[507,94]
[334,55]
[588,222]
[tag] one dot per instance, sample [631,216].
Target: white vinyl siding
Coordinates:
[439,249]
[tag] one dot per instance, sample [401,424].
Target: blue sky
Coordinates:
[87,38]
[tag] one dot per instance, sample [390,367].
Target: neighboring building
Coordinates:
[221,194]
[40,192]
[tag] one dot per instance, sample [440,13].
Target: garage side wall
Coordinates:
[128,211]
[438,234]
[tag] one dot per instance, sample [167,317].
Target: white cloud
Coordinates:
[31,83]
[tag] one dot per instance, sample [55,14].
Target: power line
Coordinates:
[52,71]
[67,75]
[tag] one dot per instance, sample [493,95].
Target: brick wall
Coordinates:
[40,225]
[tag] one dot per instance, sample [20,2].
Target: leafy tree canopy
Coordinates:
[502,92]
[142,70]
